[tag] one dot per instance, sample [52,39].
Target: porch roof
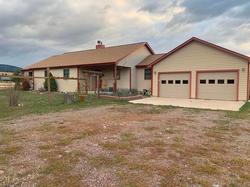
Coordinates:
[149,60]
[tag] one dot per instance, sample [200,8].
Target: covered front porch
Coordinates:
[107,78]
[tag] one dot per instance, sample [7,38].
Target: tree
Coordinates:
[53,84]
[17,80]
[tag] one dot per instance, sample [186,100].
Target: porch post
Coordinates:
[115,78]
[78,80]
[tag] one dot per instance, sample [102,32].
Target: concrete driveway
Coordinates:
[192,103]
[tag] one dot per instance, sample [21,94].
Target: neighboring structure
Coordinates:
[7,70]
[201,70]
[195,69]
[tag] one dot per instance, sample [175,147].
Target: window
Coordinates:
[163,82]
[118,74]
[66,73]
[230,81]
[221,81]
[203,81]
[211,81]
[45,73]
[185,82]
[170,82]
[30,73]
[147,74]
[177,82]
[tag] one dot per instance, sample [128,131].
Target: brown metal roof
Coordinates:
[90,57]
[149,59]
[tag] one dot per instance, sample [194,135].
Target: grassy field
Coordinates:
[35,103]
[113,143]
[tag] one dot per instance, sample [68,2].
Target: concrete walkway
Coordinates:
[192,103]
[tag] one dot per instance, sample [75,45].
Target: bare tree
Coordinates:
[13,96]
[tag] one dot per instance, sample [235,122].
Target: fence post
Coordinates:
[48,82]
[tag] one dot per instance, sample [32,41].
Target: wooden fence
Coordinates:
[23,77]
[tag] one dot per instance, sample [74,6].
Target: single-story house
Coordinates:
[195,69]
[117,64]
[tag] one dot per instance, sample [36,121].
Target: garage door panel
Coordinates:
[217,85]
[174,85]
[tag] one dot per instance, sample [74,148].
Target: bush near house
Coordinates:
[53,84]
[26,85]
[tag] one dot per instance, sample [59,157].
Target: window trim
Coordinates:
[148,75]
[65,77]
[118,74]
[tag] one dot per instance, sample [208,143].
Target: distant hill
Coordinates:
[8,68]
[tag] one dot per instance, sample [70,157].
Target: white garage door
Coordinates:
[174,85]
[217,85]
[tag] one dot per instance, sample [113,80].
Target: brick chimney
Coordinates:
[100,45]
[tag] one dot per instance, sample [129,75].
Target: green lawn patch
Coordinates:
[243,113]
[37,103]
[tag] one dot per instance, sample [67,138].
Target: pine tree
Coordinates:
[53,84]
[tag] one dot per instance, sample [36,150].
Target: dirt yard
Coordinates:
[127,145]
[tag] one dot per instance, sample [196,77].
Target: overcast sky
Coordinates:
[31,30]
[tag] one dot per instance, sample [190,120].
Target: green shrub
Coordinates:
[25,85]
[53,84]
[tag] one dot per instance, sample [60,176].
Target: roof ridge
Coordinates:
[104,48]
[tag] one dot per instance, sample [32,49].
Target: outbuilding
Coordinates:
[198,69]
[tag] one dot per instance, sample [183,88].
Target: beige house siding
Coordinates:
[132,60]
[195,57]
[141,82]
[108,78]
[124,81]
[63,85]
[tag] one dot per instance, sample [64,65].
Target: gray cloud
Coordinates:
[159,6]
[31,30]
[196,11]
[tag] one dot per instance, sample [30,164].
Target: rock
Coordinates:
[61,122]
[67,151]
[216,185]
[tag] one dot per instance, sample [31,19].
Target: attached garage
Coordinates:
[174,84]
[208,71]
[218,85]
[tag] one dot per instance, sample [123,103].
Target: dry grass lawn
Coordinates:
[127,145]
